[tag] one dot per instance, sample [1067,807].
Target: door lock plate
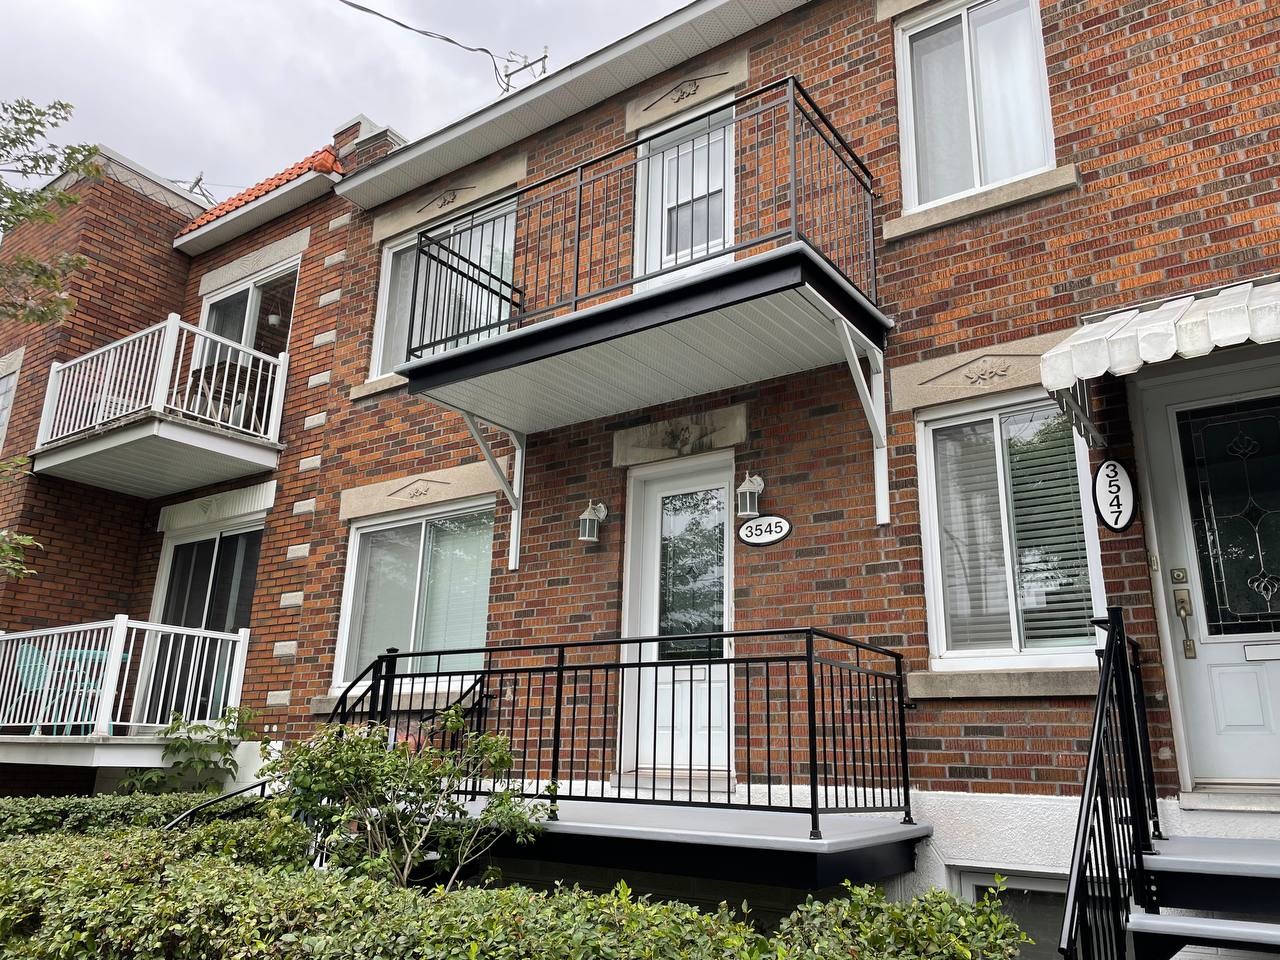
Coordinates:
[1178,575]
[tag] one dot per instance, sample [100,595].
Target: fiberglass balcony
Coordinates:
[168,409]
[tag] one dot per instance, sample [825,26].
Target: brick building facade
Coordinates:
[1160,185]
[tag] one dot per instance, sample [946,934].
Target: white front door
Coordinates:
[1213,446]
[679,562]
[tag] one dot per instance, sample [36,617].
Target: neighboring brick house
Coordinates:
[823,244]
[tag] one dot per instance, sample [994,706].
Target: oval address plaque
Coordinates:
[763,531]
[1113,495]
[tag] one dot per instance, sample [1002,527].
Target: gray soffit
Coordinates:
[663,44]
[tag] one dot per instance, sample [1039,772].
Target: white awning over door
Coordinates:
[1190,326]
[1124,342]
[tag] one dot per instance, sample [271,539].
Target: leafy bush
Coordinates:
[134,895]
[199,755]
[149,894]
[400,813]
[31,815]
[933,926]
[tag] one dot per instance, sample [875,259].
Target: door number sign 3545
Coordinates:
[763,531]
[1113,495]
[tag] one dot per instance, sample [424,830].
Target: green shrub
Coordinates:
[28,815]
[177,895]
[933,926]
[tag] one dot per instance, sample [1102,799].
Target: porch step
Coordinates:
[1217,873]
[1160,936]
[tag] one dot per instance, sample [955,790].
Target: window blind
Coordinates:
[455,603]
[385,592]
[970,523]
[1051,559]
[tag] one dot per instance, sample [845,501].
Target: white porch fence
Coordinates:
[172,368]
[116,677]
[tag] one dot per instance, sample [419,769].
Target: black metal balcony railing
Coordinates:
[783,720]
[767,169]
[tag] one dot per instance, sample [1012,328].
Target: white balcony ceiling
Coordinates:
[156,457]
[784,333]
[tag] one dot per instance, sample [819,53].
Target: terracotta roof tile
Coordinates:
[324,160]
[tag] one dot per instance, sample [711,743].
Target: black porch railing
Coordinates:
[783,720]
[767,169]
[1118,818]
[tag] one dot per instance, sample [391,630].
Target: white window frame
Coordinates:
[903,31]
[491,207]
[346,619]
[10,365]
[205,531]
[940,658]
[253,283]
[969,879]
[640,215]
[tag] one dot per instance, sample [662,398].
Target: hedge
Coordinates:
[242,891]
[30,815]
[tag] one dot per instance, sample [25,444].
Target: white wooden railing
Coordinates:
[172,368]
[116,677]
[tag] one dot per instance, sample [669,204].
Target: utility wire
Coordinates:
[503,80]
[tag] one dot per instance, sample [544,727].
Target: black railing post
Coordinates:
[413,296]
[793,159]
[374,693]
[577,238]
[553,813]
[815,828]
[902,740]
[388,690]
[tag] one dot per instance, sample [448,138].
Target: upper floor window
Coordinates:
[419,584]
[463,286]
[255,314]
[1013,566]
[9,367]
[685,196]
[974,99]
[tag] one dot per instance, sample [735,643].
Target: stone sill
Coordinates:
[388,381]
[1002,684]
[1009,194]
[1229,801]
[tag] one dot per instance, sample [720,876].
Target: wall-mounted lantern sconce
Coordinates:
[589,522]
[749,497]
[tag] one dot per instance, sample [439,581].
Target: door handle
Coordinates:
[1182,606]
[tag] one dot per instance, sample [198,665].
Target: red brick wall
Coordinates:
[132,279]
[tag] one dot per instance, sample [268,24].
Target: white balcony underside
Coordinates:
[784,333]
[156,456]
[88,751]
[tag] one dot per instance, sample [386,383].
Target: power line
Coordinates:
[515,62]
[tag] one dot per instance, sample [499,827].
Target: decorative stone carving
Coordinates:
[972,373]
[439,200]
[260,259]
[711,80]
[228,505]
[401,493]
[680,436]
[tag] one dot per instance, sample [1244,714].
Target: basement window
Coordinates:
[1035,903]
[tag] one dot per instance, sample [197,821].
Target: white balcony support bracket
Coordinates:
[105,707]
[513,487]
[871,393]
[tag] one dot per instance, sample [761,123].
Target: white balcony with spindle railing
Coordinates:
[166,409]
[98,694]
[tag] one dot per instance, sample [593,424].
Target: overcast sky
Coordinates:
[239,89]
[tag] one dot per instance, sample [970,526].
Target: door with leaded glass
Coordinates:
[1214,475]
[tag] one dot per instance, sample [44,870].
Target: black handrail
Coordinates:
[817,722]
[1118,819]
[785,173]
[258,786]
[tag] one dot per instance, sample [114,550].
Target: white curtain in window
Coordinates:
[940,112]
[395,322]
[1008,89]
[385,592]
[975,589]
[1052,569]
[455,603]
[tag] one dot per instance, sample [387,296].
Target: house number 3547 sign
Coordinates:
[1113,495]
